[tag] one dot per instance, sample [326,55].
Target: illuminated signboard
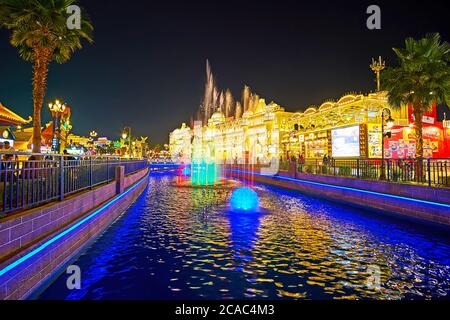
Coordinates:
[374,140]
[345,142]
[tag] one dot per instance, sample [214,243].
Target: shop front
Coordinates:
[436,138]
[317,145]
[349,128]
[347,142]
[403,144]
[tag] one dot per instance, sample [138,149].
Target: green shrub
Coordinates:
[345,171]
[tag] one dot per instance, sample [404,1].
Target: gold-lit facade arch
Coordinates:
[310,131]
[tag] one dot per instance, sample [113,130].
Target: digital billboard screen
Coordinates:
[345,142]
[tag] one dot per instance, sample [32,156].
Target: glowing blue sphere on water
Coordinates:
[244,199]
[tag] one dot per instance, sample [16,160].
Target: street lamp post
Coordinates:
[124,137]
[133,149]
[127,134]
[93,134]
[386,118]
[57,108]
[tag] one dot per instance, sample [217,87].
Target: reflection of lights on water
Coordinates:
[244,199]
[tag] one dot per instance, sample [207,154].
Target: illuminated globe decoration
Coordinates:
[244,199]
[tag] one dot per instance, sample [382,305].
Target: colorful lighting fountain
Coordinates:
[186,171]
[204,173]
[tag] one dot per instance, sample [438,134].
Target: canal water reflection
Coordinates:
[186,243]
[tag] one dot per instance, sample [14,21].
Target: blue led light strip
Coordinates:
[65,232]
[167,165]
[344,188]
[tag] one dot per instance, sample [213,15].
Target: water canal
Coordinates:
[187,243]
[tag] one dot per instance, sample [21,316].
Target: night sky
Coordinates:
[146,68]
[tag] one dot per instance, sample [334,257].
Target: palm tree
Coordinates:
[421,79]
[39,30]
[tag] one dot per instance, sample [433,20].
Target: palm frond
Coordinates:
[423,74]
[43,24]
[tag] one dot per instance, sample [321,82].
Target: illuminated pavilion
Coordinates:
[267,131]
[7,117]
[255,132]
[319,131]
[253,138]
[310,131]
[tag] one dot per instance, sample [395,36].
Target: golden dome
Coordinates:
[218,117]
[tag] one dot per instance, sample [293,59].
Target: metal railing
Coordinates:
[431,172]
[29,180]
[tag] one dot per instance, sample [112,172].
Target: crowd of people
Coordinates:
[300,160]
[10,160]
[398,168]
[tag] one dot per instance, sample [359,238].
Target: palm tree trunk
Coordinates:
[418,115]
[40,71]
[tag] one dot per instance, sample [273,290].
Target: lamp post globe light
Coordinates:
[134,149]
[127,135]
[57,109]
[92,135]
[388,121]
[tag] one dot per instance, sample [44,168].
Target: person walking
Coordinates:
[325,164]
[301,161]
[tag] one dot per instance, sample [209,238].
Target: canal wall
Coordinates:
[36,243]
[410,201]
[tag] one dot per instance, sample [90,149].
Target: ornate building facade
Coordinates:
[311,131]
[252,131]
[254,138]
[347,128]
[180,144]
